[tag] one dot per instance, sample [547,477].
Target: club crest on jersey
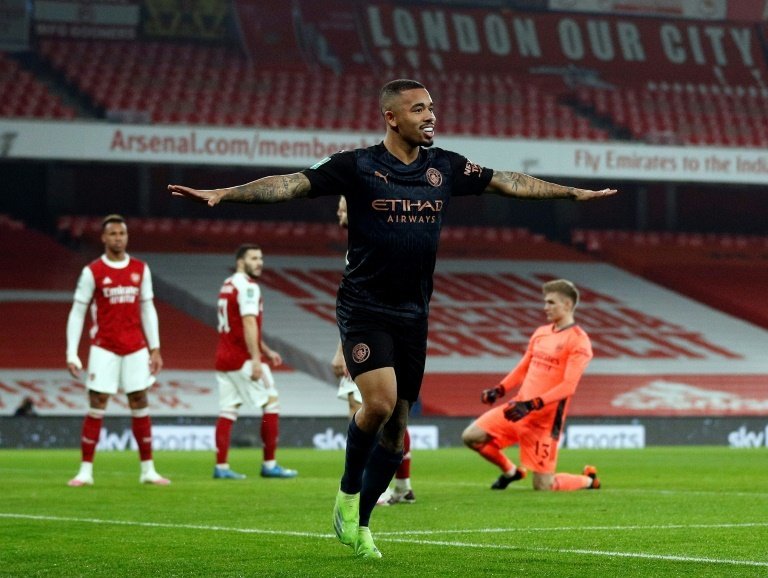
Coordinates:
[434,177]
[135,277]
[360,353]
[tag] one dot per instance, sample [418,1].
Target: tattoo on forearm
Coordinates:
[273,189]
[523,185]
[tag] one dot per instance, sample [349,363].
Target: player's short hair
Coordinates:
[563,287]
[392,90]
[244,248]
[113,218]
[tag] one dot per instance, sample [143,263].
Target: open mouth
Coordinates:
[429,130]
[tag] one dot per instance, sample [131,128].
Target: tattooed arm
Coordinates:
[273,189]
[520,185]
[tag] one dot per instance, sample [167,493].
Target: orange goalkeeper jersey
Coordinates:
[552,365]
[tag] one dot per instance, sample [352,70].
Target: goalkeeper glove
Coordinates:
[490,396]
[517,410]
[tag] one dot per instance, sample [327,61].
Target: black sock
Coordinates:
[359,444]
[379,471]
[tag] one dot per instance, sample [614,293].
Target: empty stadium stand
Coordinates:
[310,239]
[685,113]
[723,271]
[185,83]
[22,95]
[171,83]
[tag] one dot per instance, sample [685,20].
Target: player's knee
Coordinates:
[543,482]
[98,400]
[138,399]
[391,441]
[272,405]
[379,409]
[472,437]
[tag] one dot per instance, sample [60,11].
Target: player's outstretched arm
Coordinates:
[272,189]
[520,185]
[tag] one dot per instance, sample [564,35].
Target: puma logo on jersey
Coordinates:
[383,177]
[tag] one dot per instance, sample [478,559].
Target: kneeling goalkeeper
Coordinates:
[557,356]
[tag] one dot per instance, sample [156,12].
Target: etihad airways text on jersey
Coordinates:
[407,205]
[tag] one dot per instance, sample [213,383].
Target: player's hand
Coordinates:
[489,396]
[275,359]
[338,365]
[74,366]
[256,370]
[588,195]
[517,410]
[209,197]
[155,362]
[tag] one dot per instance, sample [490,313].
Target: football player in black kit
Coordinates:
[396,193]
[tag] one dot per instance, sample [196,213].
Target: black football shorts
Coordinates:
[373,340]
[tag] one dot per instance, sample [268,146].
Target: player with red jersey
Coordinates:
[548,375]
[125,345]
[241,373]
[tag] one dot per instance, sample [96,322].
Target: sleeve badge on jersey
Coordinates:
[472,168]
[249,292]
[434,177]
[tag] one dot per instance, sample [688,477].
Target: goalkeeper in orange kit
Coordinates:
[548,374]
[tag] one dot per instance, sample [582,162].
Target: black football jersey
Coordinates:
[395,214]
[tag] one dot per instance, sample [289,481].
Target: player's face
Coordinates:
[115,238]
[557,307]
[253,263]
[341,213]
[414,115]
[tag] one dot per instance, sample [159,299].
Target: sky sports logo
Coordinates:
[423,437]
[605,437]
[164,437]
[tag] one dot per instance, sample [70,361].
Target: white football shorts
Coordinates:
[109,372]
[347,386]
[237,388]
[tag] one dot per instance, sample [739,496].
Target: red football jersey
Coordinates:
[239,296]
[115,294]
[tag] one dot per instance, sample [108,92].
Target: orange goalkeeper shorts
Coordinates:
[533,433]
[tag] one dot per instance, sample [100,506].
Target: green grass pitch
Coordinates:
[683,511]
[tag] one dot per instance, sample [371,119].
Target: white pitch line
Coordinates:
[580,528]
[165,525]
[608,554]
[452,544]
